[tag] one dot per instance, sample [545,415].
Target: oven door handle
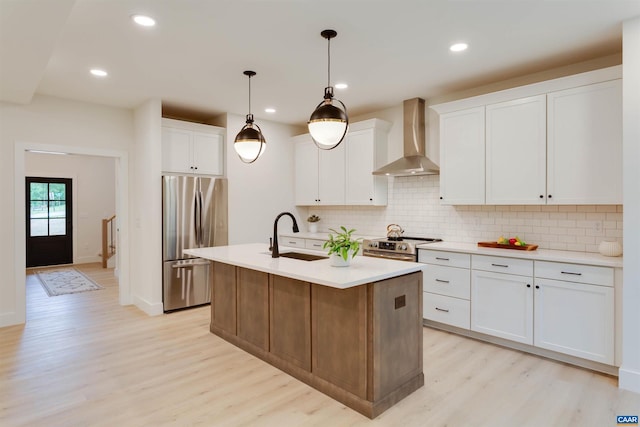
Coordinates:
[401,257]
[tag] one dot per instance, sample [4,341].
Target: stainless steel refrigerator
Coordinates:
[194,215]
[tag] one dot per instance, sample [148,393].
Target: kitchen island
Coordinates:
[353,333]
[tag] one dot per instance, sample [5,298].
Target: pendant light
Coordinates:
[329,123]
[250,142]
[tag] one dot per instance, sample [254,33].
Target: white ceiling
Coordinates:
[387,51]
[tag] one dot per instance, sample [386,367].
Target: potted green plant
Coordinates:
[313,223]
[342,246]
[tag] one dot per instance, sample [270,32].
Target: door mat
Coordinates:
[66,281]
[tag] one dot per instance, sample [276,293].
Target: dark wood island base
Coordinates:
[361,346]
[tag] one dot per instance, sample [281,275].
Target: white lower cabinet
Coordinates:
[574,317]
[562,307]
[446,284]
[502,305]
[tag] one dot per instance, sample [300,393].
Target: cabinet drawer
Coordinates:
[449,281]
[602,276]
[449,310]
[451,259]
[314,244]
[294,242]
[520,267]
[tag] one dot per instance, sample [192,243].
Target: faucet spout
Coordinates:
[275,253]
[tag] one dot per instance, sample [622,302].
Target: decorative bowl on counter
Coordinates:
[610,248]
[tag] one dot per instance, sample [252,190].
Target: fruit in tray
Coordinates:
[515,241]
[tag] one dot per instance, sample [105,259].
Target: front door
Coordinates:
[49,221]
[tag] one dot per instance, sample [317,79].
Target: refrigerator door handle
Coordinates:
[196,220]
[200,227]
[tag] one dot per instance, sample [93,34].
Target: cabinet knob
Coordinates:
[371,199]
[541,196]
[528,285]
[549,196]
[537,287]
[441,197]
[196,168]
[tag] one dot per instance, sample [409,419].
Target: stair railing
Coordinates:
[108,239]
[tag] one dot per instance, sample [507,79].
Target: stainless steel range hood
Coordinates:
[414,161]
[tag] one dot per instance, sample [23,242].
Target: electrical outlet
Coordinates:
[597,226]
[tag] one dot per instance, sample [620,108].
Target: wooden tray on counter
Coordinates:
[526,247]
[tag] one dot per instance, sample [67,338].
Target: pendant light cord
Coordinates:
[328,62]
[249,94]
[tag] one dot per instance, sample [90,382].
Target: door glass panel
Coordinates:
[38,210]
[39,227]
[38,191]
[57,227]
[57,209]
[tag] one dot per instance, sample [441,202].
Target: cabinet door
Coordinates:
[516,152]
[207,151]
[502,305]
[584,145]
[306,172]
[575,319]
[176,154]
[462,175]
[360,188]
[331,176]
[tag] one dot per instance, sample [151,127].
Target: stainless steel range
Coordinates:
[400,248]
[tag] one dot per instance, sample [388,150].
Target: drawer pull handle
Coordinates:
[442,281]
[293,243]
[573,274]
[442,259]
[500,265]
[442,309]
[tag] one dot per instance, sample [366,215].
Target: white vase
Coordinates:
[337,260]
[313,227]
[610,248]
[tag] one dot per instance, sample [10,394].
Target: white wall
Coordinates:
[54,122]
[630,369]
[258,192]
[146,208]
[94,196]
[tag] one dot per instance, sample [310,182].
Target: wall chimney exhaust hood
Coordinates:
[414,161]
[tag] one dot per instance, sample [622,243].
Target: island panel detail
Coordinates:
[253,307]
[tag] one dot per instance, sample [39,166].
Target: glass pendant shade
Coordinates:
[250,142]
[328,123]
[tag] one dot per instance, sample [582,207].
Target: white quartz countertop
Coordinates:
[537,255]
[256,256]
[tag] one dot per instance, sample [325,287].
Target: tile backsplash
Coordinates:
[414,204]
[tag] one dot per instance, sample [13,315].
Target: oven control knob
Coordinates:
[373,245]
[403,247]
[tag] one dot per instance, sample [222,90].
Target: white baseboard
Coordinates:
[9,319]
[152,309]
[629,379]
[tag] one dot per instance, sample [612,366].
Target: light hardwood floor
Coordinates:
[84,360]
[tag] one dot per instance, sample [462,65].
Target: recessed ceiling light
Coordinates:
[145,21]
[98,72]
[341,85]
[269,110]
[458,47]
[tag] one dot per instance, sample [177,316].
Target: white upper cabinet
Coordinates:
[516,152]
[366,151]
[584,145]
[192,148]
[331,176]
[306,171]
[342,175]
[462,169]
[554,142]
[319,173]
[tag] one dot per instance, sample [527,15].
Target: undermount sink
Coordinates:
[301,256]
